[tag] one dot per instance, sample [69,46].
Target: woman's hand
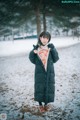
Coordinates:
[35,51]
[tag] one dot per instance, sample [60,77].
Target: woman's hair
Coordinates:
[44,35]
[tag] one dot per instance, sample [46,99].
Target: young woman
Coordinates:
[43,56]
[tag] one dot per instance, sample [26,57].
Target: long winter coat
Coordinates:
[44,87]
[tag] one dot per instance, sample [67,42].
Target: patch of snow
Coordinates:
[22,46]
[17,85]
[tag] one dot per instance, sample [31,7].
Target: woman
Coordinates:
[43,56]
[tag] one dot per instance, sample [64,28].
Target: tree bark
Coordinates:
[12,34]
[44,21]
[44,16]
[38,21]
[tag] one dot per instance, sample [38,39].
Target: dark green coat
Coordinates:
[44,87]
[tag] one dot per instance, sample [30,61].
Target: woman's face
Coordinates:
[44,40]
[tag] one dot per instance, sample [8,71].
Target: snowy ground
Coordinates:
[17,86]
[8,48]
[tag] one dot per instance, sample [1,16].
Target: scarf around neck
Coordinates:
[43,53]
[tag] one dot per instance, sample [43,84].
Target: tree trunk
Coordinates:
[73,34]
[44,21]
[44,16]
[12,34]
[51,26]
[38,21]
[23,32]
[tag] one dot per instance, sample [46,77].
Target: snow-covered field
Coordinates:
[21,46]
[17,84]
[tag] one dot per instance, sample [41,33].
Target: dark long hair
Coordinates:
[44,35]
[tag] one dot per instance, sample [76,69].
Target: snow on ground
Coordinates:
[21,46]
[17,86]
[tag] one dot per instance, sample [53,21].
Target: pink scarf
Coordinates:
[43,53]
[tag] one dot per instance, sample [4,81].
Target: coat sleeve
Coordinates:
[54,53]
[32,56]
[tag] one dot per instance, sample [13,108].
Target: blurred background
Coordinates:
[21,22]
[21,19]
